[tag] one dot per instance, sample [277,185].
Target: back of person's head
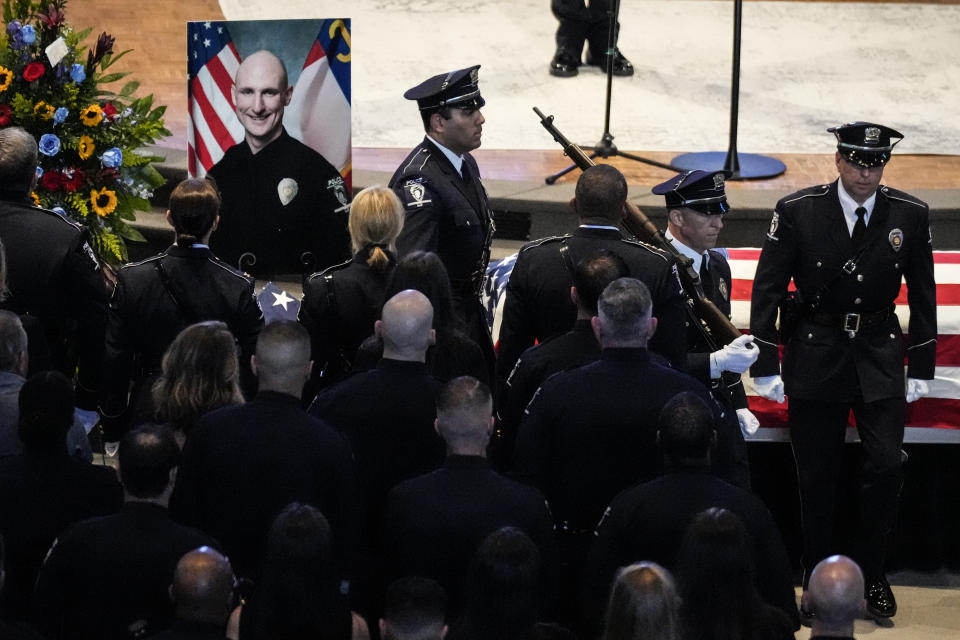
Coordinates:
[592,275]
[501,593]
[203,586]
[414,608]
[194,205]
[464,408]
[686,427]
[376,219]
[623,314]
[13,343]
[147,455]
[835,593]
[406,326]
[643,605]
[424,272]
[46,411]
[298,593]
[200,372]
[283,357]
[601,193]
[716,577]
[18,160]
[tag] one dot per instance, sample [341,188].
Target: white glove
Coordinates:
[769,387]
[748,422]
[736,357]
[916,389]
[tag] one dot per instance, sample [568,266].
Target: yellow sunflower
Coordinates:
[6,77]
[92,115]
[103,201]
[35,198]
[85,147]
[44,110]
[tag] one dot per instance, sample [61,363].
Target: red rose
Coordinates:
[51,180]
[33,71]
[73,182]
[108,174]
[5,113]
[109,110]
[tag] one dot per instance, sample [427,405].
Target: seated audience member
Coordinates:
[299,594]
[108,578]
[157,298]
[835,597]
[454,353]
[243,464]
[501,595]
[643,605]
[42,490]
[202,593]
[433,524]
[718,585]
[649,520]
[200,373]
[341,303]
[415,608]
[14,364]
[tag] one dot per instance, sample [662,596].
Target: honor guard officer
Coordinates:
[444,201]
[847,245]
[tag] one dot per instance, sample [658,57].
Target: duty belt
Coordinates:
[851,322]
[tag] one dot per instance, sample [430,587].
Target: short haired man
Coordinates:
[414,608]
[835,597]
[439,185]
[434,523]
[243,464]
[284,206]
[647,522]
[203,596]
[538,304]
[848,245]
[52,272]
[108,577]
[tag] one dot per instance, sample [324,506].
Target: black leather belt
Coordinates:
[851,322]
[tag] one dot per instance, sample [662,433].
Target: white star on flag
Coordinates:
[282,299]
[206,25]
[206,42]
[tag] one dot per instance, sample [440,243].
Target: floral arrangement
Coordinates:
[88,137]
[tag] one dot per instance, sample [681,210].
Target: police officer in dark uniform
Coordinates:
[538,304]
[696,201]
[53,275]
[156,298]
[848,245]
[585,20]
[284,206]
[445,202]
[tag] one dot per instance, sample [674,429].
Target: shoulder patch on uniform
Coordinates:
[900,196]
[542,241]
[416,193]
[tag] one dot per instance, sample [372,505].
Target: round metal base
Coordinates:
[753,166]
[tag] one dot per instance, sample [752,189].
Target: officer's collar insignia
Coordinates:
[724,289]
[896,239]
[718,181]
[871,135]
[287,190]
[774,225]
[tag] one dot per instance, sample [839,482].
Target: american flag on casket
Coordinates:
[939,411]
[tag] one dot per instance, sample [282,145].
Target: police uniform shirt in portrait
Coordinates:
[444,200]
[847,350]
[285,206]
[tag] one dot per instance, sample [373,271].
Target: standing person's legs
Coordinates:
[572,31]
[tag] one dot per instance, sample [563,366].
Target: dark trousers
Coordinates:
[817,432]
[580,22]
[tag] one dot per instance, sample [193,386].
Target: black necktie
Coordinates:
[465,173]
[860,227]
[705,280]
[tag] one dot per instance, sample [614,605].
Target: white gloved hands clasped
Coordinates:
[769,387]
[916,389]
[736,357]
[748,422]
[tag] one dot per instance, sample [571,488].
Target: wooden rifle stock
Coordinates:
[719,330]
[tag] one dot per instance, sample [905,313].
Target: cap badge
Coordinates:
[474,76]
[896,239]
[718,181]
[871,135]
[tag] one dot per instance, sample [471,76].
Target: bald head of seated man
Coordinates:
[203,586]
[835,596]
[406,326]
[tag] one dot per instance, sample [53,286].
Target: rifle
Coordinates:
[715,326]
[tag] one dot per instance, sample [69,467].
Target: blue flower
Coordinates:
[28,35]
[112,158]
[77,74]
[39,172]
[14,26]
[49,144]
[60,115]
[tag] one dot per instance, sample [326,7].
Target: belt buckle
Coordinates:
[849,266]
[851,323]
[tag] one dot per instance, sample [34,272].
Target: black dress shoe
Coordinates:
[621,66]
[564,64]
[880,600]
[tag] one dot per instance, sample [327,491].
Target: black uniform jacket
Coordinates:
[278,204]
[445,214]
[54,275]
[538,304]
[809,241]
[145,318]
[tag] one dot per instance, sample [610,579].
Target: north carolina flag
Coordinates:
[319,113]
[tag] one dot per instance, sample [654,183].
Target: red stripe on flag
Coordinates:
[948,350]
[191,160]
[316,53]
[206,160]
[219,130]
[930,413]
[222,78]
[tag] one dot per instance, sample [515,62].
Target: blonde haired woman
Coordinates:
[643,605]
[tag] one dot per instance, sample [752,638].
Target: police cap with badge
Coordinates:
[702,191]
[865,143]
[454,89]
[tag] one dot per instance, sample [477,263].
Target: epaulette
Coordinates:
[59,216]
[416,168]
[660,253]
[236,272]
[330,269]
[144,261]
[809,192]
[900,196]
[541,241]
